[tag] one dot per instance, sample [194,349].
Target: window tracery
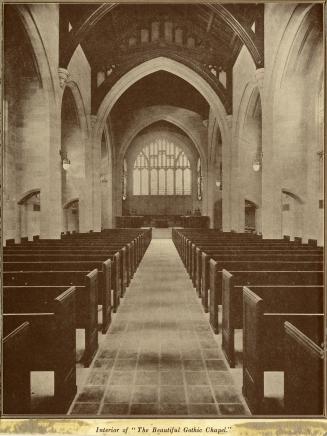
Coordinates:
[162,168]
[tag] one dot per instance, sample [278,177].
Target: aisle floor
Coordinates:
[159,356]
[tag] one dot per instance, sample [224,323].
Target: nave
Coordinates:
[159,356]
[122,121]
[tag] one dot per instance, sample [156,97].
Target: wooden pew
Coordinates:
[86,298]
[304,367]
[233,282]
[203,257]
[265,312]
[227,243]
[51,343]
[203,261]
[16,372]
[203,265]
[217,295]
[214,250]
[104,278]
[53,255]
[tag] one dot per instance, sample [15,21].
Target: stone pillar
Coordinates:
[96,184]
[211,194]
[51,218]
[226,192]
[117,188]
[51,196]
[18,223]
[271,223]
[86,193]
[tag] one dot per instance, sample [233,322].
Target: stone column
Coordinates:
[271,195]
[86,194]
[226,192]
[51,216]
[259,76]
[211,196]
[96,185]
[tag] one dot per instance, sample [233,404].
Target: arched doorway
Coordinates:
[29,222]
[250,224]
[71,211]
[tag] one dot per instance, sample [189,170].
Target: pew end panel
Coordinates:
[52,346]
[304,369]
[116,282]
[229,314]
[205,282]
[213,306]
[16,371]
[263,333]
[123,276]
[65,387]
[106,296]
[198,254]
[253,375]
[91,331]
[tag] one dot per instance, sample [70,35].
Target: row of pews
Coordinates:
[273,290]
[51,288]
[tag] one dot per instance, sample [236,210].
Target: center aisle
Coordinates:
[159,356]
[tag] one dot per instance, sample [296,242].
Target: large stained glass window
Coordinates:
[162,168]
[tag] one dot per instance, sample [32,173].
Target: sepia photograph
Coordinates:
[163,211]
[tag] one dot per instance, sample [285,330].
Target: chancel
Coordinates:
[163,200]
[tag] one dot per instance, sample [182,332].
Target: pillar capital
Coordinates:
[93,120]
[63,77]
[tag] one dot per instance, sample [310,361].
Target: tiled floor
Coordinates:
[159,356]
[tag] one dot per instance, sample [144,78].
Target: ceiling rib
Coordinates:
[245,34]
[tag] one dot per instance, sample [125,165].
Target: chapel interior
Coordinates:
[163,209]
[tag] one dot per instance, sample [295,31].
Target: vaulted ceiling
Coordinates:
[205,36]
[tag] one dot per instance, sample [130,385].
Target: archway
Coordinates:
[175,68]
[161,165]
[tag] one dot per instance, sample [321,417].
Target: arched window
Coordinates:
[124,181]
[162,168]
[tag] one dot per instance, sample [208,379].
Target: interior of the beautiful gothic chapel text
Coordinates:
[163,208]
